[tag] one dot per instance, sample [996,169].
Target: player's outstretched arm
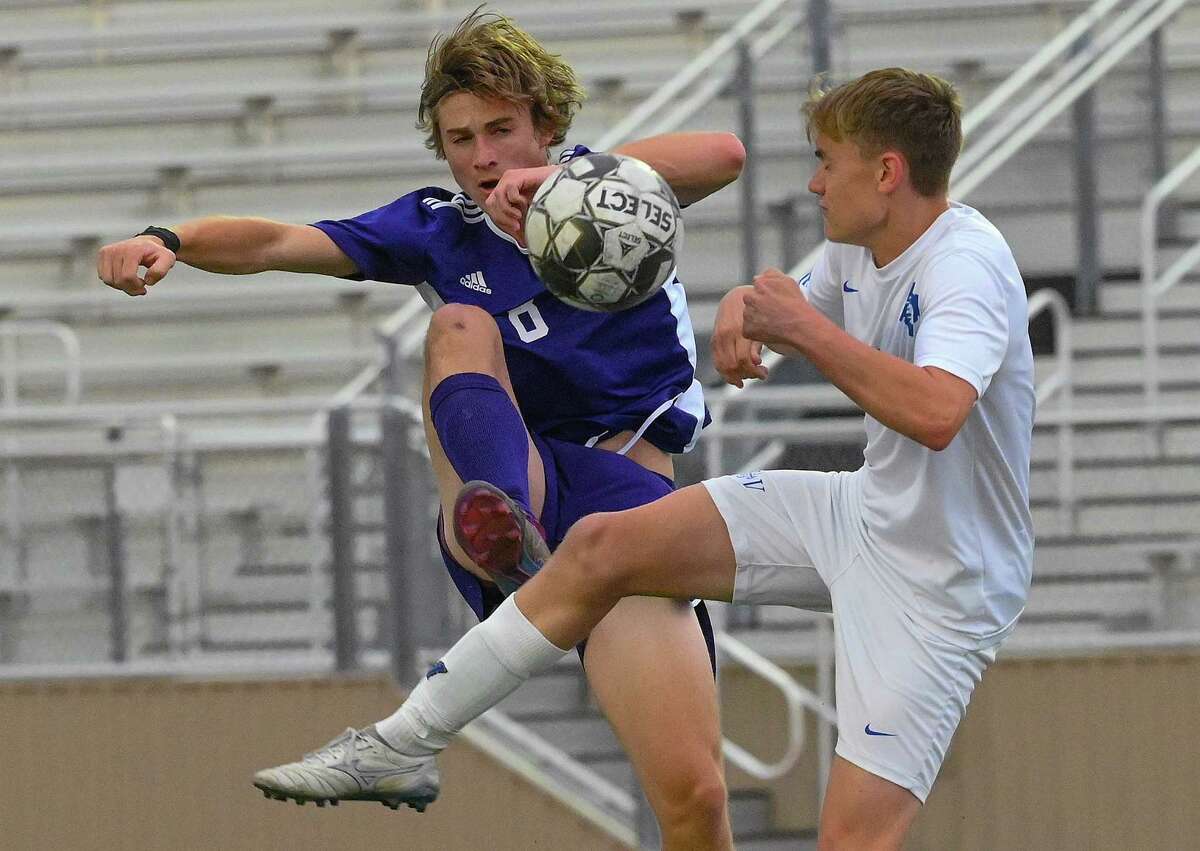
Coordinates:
[694,164]
[224,244]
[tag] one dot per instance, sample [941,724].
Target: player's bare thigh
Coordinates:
[653,646]
[677,546]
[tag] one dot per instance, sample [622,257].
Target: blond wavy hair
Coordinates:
[919,115]
[489,56]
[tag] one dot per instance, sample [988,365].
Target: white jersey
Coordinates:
[947,534]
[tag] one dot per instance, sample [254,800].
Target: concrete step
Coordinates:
[616,769]
[1130,395]
[1176,516]
[1125,297]
[751,812]
[559,690]
[1103,599]
[581,736]
[262,626]
[1088,559]
[1121,442]
[778,842]
[1127,369]
[1125,332]
[1141,479]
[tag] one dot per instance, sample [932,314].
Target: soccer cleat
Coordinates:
[497,534]
[355,766]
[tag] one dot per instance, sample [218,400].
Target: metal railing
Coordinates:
[796,698]
[10,334]
[1155,286]
[707,77]
[1059,383]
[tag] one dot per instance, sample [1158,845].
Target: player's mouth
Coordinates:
[488,185]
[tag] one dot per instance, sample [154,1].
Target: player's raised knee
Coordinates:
[461,337]
[460,320]
[595,546]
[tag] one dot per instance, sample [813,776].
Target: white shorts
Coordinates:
[901,691]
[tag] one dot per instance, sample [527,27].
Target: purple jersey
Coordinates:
[579,376]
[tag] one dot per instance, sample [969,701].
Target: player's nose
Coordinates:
[485,155]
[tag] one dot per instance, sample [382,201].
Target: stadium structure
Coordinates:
[215,515]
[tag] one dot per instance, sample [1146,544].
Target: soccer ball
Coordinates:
[603,232]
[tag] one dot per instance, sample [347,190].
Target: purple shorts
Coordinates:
[580,480]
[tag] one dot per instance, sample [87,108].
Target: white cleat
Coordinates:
[355,766]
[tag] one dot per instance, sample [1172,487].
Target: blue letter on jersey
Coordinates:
[911,313]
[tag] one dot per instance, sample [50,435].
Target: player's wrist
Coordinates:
[169,239]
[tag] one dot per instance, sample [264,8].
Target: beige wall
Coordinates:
[159,764]
[1093,753]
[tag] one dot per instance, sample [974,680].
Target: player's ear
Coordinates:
[892,171]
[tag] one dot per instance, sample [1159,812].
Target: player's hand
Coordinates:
[509,201]
[775,311]
[117,264]
[735,357]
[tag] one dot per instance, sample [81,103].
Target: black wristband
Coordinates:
[170,238]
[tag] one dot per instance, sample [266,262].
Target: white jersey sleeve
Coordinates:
[822,289]
[964,329]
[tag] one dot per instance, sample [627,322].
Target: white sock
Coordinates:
[485,666]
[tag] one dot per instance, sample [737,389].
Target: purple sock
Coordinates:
[482,432]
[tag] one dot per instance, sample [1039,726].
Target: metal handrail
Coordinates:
[389,329]
[1145,19]
[1154,287]
[10,331]
[1048,53]
[796,697]
[715,84]
[722,47]
[1059,383]
[1070,70]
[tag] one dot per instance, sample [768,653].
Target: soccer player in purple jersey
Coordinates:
[563,411]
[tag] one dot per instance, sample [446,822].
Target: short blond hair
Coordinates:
[489,56]
[919,115]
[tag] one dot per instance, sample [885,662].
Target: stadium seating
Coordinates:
[115,115]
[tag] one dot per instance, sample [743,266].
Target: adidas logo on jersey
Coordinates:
[474,281]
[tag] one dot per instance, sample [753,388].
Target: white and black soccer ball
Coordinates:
[604,232]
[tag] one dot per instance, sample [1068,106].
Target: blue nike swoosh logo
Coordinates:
[846,288]
[871,732]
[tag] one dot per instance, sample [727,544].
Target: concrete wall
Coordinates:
[1093,753]
[1089,753]
[166,764]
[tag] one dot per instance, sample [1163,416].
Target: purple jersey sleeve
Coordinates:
[390,243]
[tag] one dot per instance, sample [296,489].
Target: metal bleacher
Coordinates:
[117,114]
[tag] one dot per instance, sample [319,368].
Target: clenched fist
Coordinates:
[776,311]
[117,264]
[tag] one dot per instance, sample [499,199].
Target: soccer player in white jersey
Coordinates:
[916,310]
[521,391]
